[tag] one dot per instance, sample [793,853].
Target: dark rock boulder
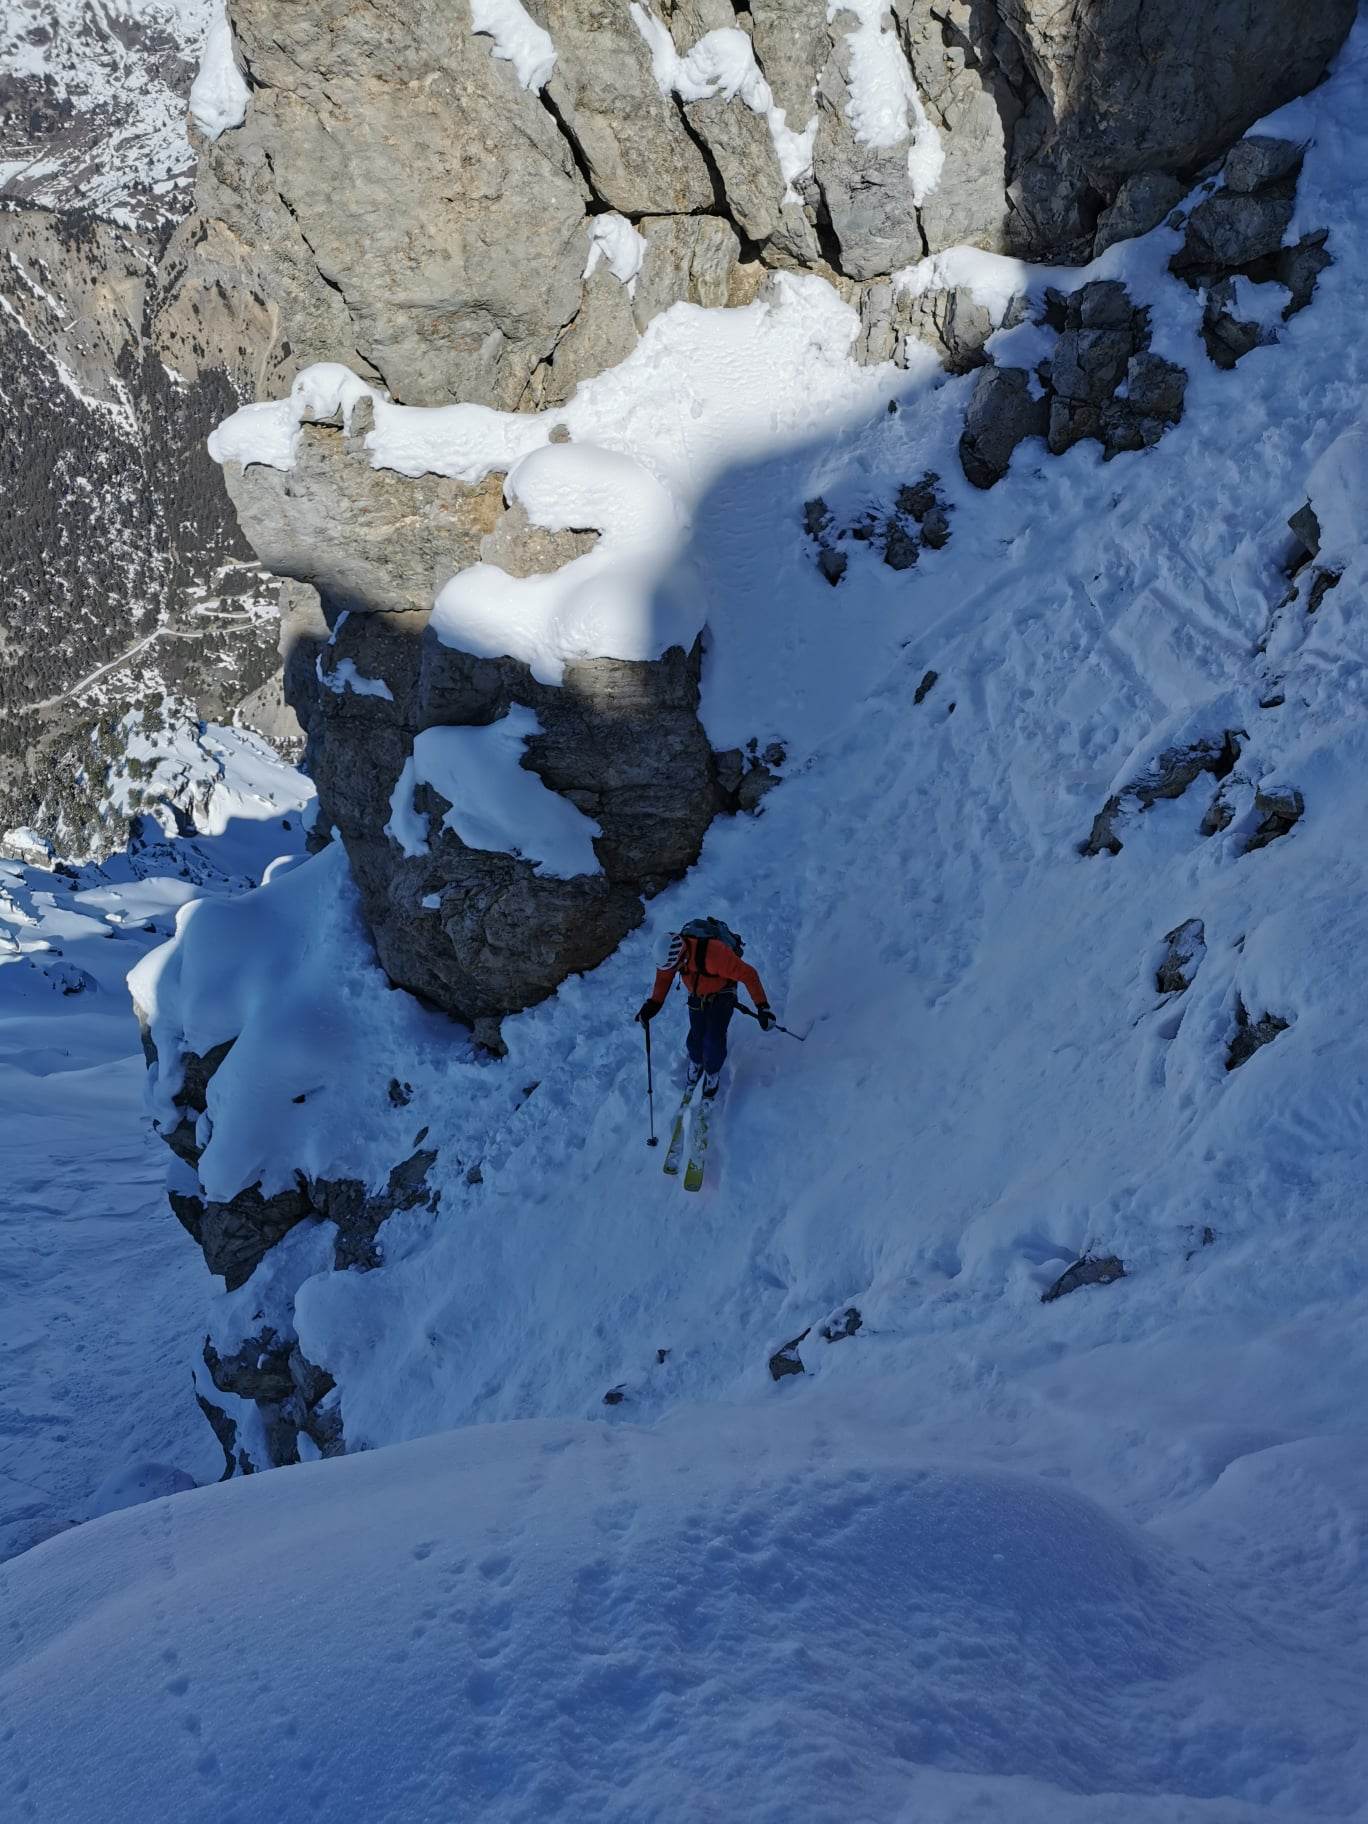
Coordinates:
[1278,812]
[1102,381]
[1238,231]
[1230,231]
[1251,1035]
[786,1359]
[1003,412]
[1186,947]
[841,1324]
[1254,163]
[1141,203]
[479,932]
[1091,1270]
[237,1235]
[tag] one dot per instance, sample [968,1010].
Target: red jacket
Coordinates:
[721,968]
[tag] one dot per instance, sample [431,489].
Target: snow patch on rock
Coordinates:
[722,62]
[219,95]
[614,243]
[518,39]
[495,801]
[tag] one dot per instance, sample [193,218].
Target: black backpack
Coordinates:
[695,938]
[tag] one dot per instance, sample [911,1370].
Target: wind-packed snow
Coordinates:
[1337,489]
[614,243]
[884,107]
[722,62]
[219,95]
[495,802]
[518,39]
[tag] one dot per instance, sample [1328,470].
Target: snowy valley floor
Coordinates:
[103,1305]
[1095,1561]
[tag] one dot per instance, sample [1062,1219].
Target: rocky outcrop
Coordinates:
[1101,381]
[1185,948]
[1124,88]
[1237,232]
[1252,1035]
[1004,410]
[236,1235]
[404,194]
[1167,776]
[477,931]
[1090,1270]
[291,1395]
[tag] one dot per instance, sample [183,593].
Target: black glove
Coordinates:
[765,1014]
[647,1012]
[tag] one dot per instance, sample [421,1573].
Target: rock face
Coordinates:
[1124,88]
[1237,232]
[1101,381]
[404,194]
[479,932]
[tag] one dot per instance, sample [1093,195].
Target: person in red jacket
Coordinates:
[711,969]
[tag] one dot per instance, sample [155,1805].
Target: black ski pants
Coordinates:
[709,1019]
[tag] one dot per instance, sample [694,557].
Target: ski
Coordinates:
[675,1151]
[698,1145]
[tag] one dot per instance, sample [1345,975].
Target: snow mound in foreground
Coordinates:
[725,1618]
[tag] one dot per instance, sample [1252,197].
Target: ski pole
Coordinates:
[801,1037]
[650,1082]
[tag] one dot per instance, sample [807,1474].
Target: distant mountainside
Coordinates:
[92,104]
[128,584]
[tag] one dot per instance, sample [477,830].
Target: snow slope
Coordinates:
[1098,1559]
[99,1316]
[752,1615]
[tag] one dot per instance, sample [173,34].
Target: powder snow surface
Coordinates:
[495,802]
[1098,1561]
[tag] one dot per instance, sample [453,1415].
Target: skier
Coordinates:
[707,958]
